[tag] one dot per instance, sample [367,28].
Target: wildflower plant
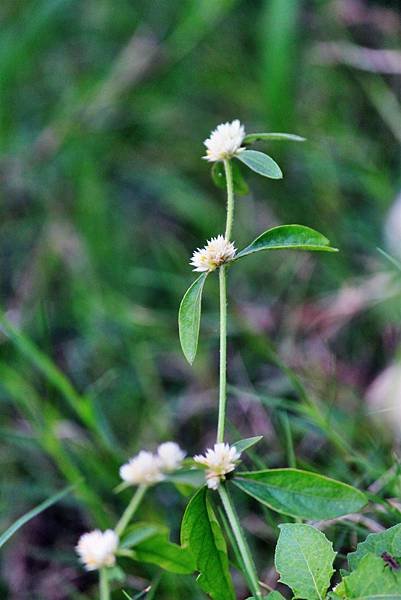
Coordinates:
[214,475]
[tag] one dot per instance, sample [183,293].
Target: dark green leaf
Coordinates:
[189,318]
[151,544]
[5,536]
[301,493]
[376,543]
[201,532]
[288,237]
[245,444]
[140,532]
[260,163]
[219,177]
[256,137]
[304,558]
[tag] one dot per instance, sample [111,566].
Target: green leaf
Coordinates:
[5,536]
[189,318]
[245,444]
[256,137]
[201,532]
[377,543]
[301,493]
[260,163]
[190,477]
[372,580]
[304,558]
[271,596]
[151,544]
[288,237]
[219,177]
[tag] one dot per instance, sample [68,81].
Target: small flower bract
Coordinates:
[142,469]
[219,461]
[170,456]
[217,251]
[225,141]
[97,549]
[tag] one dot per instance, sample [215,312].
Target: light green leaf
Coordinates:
[301,493]
[377,543]
[245,444]
[219,177]
[372,580]
[260,163]
[288,237]
[201,532]
[271,596]
[189,318]
[304,558]
[150,544]
[5,536]
[256,137]
[191,477]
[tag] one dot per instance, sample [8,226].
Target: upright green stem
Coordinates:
[230,199]
[223,308]
[104,589]
[130,510]
[223,355]
[243,547]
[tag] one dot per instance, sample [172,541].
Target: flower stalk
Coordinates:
[104,588]
[130,510]
[242,544]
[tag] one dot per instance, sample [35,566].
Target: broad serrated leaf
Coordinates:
[219,177]
[256,137]
[376,543]
[372,580]
[260,163]
[151,544]
[300,493]
[189,318]
[246,443]
[201,533]
[288,237]
[304,559]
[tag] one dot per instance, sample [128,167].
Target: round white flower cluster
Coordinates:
[217,251]
[225,141]
[221,460]
[97,549]
[147,468]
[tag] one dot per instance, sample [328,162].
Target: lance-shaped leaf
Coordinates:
[388,541]
[260,163]
[288,237]
[300,493]
[201,533]
[304,558]
[256,137]
[150,543]
[246,443]
[219,177]
[189,318]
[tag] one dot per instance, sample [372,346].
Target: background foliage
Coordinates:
[104,196]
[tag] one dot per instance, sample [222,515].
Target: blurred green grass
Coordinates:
[104,196]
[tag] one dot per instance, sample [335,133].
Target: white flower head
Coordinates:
[142,469]
[225,141]
[219,461]
[97,549]
[170,456]
[217,251]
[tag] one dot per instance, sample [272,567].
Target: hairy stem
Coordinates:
[223,355]
[230,199]
[130,510]
[243,547]
[104,589]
